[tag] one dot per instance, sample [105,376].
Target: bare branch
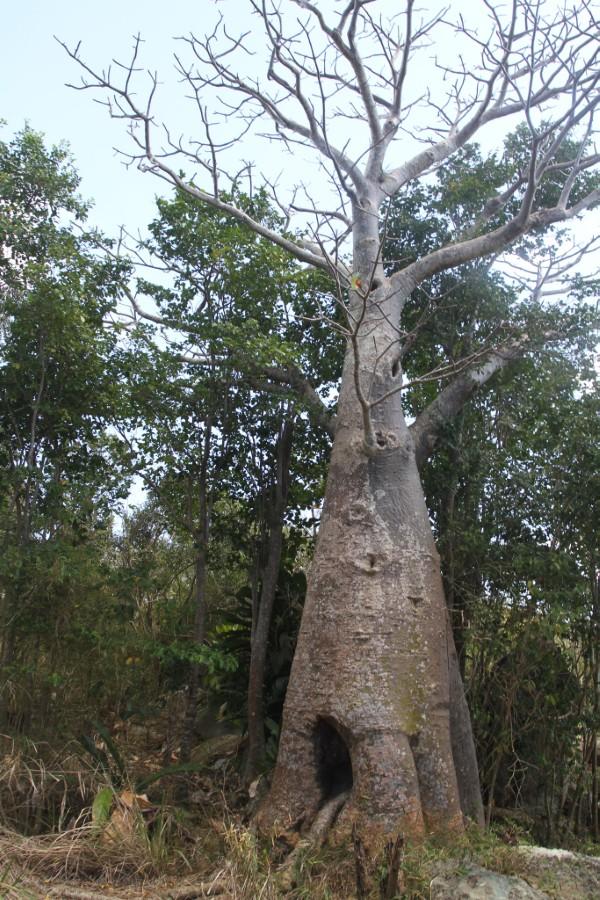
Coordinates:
[125,106]
[494,242]
[428,425]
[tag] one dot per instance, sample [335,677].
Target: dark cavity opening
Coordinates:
[334,767]
[395,367]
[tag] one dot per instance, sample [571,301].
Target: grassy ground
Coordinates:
[68,830]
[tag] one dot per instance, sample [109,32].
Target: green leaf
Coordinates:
[102,806]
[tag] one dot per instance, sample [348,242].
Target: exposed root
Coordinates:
[325,819]
[315,837]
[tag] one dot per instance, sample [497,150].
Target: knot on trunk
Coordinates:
[372,563]
[384,441]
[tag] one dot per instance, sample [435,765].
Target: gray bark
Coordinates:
[264,614]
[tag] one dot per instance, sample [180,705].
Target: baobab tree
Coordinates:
[375,725]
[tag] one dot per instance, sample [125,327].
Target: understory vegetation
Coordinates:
[131,657]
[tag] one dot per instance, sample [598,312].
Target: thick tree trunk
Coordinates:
[367,707]
[264,612]
[368,703]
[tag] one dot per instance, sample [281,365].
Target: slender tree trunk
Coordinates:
[574,820]
[262,620]
[199,634]
[200,609]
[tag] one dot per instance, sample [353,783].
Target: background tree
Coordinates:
[526,600]
[231,342]
[58,382]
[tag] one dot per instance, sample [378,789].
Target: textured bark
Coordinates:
[264,612]
[463,743]
[372,658]
[372,652]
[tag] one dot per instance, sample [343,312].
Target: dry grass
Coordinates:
[12,886]
[79,852]
[47,837]
[84,857]
[47,831]
[231,862]
[252,869]
[41,787]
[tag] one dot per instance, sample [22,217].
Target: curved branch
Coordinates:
[426,429]
[304,390]
[125,106]
[319,261]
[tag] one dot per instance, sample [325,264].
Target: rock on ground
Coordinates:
[562,874]
[480,884]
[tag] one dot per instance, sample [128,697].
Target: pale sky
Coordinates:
[34,70]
